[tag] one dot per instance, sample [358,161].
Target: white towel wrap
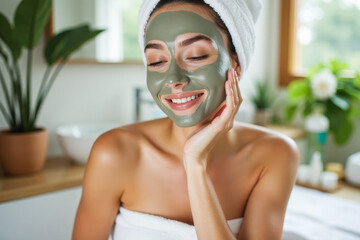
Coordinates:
[132,225]
[239,17]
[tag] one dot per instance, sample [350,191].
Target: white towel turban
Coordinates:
[239,17]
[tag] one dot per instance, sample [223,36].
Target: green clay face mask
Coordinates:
[204,87]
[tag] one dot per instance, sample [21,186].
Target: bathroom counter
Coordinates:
[59,173]
[349,192]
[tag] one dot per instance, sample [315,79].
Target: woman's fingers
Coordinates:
[233,101]
[226,115]
[237,91]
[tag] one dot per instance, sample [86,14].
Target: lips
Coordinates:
[184,101]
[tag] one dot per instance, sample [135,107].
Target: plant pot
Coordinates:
[263,117]
[23,153]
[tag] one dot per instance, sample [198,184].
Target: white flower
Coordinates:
[324,84]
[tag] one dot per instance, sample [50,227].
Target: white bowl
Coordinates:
[76,140]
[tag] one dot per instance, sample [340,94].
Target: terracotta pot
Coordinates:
[263,117]
[23,153]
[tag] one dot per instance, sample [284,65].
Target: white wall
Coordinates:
[104,92]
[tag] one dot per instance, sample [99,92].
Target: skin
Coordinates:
[204,175]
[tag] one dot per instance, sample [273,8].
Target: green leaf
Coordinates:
[263,97]
[343,132]
[352,92]
[337,66]
[290,111]
[63,44]
[315,70]
[340,102]
[309,107]
[7,36]
[354,111]
[3,54]
[299,90]
[30,20]
[340,123]
[357,80]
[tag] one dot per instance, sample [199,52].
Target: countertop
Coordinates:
[59,173]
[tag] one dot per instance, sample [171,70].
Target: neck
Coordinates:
[181,134]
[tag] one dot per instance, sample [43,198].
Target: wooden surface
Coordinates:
[290,131]
[320,188]
[59,173]
[349,192]
[344,190]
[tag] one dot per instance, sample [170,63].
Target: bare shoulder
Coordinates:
[113,158]
[120,148]
[267,145]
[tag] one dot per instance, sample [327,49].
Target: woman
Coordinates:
[196,167]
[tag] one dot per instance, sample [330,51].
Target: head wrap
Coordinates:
[239,16]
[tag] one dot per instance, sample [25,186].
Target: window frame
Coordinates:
[287,53]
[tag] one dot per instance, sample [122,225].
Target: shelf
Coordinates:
[59,173]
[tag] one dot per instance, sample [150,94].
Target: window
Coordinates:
[118,43]
[314,31]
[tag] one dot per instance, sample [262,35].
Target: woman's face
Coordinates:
[187,65]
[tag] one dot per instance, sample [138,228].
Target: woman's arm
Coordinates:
[266,205]
[265,209]
[102,189]
[209,218]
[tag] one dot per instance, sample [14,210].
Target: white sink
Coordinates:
[76,140]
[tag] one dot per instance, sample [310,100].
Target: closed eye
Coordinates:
[198,58]
[155,63]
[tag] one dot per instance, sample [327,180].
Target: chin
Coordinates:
[189,121]
[186,124]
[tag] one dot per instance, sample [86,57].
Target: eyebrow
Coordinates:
[194,39]
[153,46]
[184,43]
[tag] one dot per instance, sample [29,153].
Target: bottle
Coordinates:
[316,169]
[316,126]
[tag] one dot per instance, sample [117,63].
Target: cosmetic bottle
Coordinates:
[316,126]
[316,169]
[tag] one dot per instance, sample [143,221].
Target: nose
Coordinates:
[176,85]
[176,77]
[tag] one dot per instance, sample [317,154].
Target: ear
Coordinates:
[236,64]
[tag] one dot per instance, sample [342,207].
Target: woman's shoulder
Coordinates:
[265,143]
[126,141]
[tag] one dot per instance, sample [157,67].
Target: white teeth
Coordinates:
[184,100]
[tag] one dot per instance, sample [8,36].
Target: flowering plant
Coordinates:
[338,96]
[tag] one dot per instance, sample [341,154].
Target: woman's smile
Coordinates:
[184,103]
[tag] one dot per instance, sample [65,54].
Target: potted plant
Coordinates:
[327,89]
[262,99]
[23,146]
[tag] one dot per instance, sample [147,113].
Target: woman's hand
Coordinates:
[199,145]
